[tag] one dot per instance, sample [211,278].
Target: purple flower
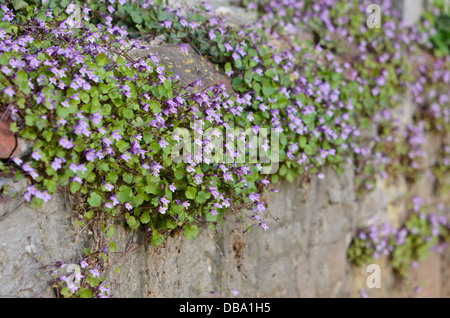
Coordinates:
[186,204]
[91,155]
[163,143]
[417,289]
[72,287]
[128,206]
[172,187]
[96,118]
[82,127]
[254,197]
[115,135]
[162,209]
[160,69]
[184,48]
[125,156]
[193,24]
[183,22]
[211,34]
[17,161]
[95,272]
[74,167]
[363,293]
[108,205]
[84,264]
[63,278]
[71,8]
[76,179]
[108,186]
[36,155]
[9,91]
[164,201]
[256,217]
[56,164]
[198,178]
[114,200]
[6,70]
[167,23]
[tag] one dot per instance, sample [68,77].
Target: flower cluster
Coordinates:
[101,124]
[422,232]
[83,282]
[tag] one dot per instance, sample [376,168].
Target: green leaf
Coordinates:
[88,215]
[101,59]
[87,293]
[201,197]
[94,199]
[110,231]
[22,80]
[267,87]
[156,107]
[84,97]
[151,189]
[190,231]
[128,113]
[112,247]
[18,4]
[210,217]
[237,84]
[145,218]
[157,239]
[112,177]
[302,141]
[227,67]
[191,192]
[170,224]
[93,281]
[136,17]
[124,194]
[13,127]
[131,221]
[238,63]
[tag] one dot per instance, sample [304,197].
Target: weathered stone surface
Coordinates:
[230,10]
[181,269]
[445,271]
[426,279]
[190,65]
[402,115]
[303,254]
[386,203]
[411,11]
[31,240]
[131,257]
[347,50]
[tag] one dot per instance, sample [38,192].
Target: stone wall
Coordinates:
[303,254]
